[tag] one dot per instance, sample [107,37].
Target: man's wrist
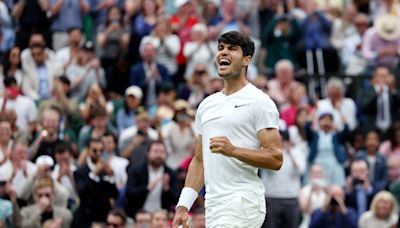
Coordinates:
[187,198]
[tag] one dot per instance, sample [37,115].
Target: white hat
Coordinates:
[44,160]
[179,3]
[388,27]
[135,91]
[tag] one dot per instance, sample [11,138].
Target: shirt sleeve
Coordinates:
[265,114]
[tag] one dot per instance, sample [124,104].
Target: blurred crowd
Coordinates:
[98,99]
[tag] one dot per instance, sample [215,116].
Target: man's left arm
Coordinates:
[269,156]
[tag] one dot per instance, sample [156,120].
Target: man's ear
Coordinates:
[247,60]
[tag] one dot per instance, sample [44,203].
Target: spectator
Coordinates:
[112,40]
[152,185]
[66,15]
[197,87]
[381,42]
[279,87]
[200,50]
[148,74]
[312,195]
[18,168]
[98,15]
[36,215]
[116,219]
[279,40]
[142,219]
[125,116]
[63,172]
[297,134]
[44,164]
[32,18]
[198,219]
[9,213]
[6,30]
[146,20]
[282,200]
[85,71]
[297,99]
[352,60]
[327,148]
[167,45]
[336,103]
[359,190]
[35,40]
[379,102]
[377,167]
[159,219]
[180,135]
[334,213]
[95,184]
[94,97]
[6,141]
[382,213]
[134,141]
[162,112]
[391,150]
[38,78]
[48,138]
[12,66]
[67,55]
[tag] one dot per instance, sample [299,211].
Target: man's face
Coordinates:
[5,130]
[335,93]
[230,60]
[132,102]
[159,220]
[372,141]
[149,53]
[75,38]
[284,74]
[63,157]
[108,143]
[38,55]
[51,121]
[100,122]
[44,194]
[142,220]
[95,149]
[380,76]
[157,154]
[359,170]
[20,152]
[114,222]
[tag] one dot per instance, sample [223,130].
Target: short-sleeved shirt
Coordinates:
[239,116]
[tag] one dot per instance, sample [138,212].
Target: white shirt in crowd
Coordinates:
[153,200]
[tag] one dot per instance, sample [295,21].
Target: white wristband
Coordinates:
[187,198]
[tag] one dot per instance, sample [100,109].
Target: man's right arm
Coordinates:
[194,182]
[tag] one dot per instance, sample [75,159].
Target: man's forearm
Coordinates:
[267,158]
[195,175]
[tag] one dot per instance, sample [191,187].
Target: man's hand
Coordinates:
[165,182]
[153,184]
[222,145]
[181,218]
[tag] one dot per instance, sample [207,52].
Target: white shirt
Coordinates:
[239,117]
[62,56]
[153,200]
[128,133]
[19,180]
[348,108]
[118,165]
[25,109]
[65,180]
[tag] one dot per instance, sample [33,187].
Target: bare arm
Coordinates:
[18,8]
[55,8]
[269,156]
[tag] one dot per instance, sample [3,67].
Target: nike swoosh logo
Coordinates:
[238,106]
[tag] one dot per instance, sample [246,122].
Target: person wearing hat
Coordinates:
[125,116]
[381,43]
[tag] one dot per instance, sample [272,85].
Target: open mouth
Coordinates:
[224,63]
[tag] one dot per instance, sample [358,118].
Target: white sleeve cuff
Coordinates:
[187,198]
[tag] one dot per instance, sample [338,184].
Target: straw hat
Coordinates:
[388,27]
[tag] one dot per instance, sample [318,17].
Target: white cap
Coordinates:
[135,91]
[44,160]
[179,3]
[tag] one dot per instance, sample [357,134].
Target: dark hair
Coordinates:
[62,147]
[119,213]
[392,135]
[70,30]
[239,39]
[97,111]
[65,80]
[93,140]
[109,133]
[121,20]
[9,81]
[7,63]
[155,142]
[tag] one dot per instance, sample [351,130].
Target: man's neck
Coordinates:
[232,85]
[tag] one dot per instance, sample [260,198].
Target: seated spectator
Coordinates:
[44,209]
[12,66]
[279,41]
[63,172]
[391,150]
[382,213]
[125,116]
[279,87]
[24,107]
[159,219]
[297,99]
[200,50]
[116,218]
[152,185]
[336,103]
[284,187]
[379,102]
[134,141]
[6,141]
[334,213]
[148,74]
[312,196]
[17,168]
[95,184]
[327,148]
[85,71]
[43,164]
[377,167]
[381,42]
[67,55]
[48,136]
[359,190]
[142,219]
[179,135]
[35,40]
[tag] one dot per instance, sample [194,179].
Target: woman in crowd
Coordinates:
[12,66]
